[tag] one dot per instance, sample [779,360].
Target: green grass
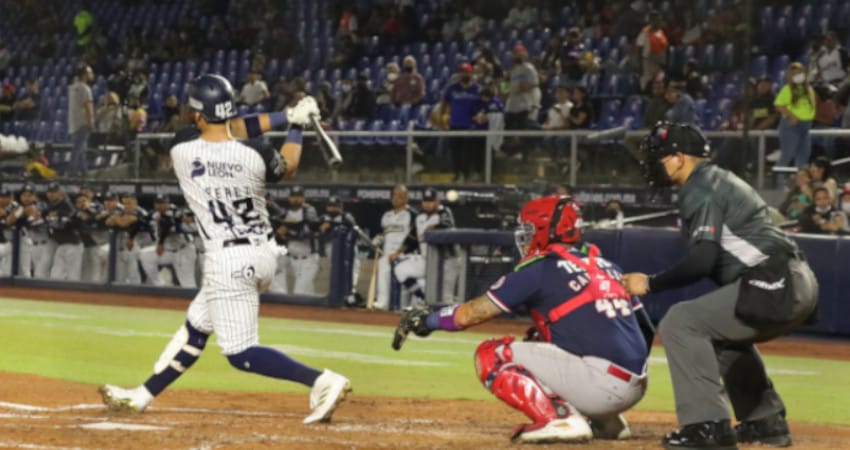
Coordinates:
[100,344]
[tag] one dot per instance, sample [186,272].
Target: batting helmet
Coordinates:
[212,96]
[669,138]
[548,220]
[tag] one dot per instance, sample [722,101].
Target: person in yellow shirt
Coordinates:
[796,103]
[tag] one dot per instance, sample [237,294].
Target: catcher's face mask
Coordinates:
[523,235]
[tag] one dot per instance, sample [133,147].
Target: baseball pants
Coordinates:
[705,341]
[304,270]
[5,259]
[127,265]
[92,270]
[25,257]
[584,382]
[228,301]
[183,260]
[42,257]
[67,262]
[382,290]
[413,266]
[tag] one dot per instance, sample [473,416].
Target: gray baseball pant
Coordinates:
[705,341]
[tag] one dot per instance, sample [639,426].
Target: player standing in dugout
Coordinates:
[766,290]
[224,182]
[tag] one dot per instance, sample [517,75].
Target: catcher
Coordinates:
[584,361]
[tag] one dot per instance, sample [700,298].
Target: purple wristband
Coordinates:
[443,319]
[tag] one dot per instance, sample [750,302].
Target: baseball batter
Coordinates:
[399,232]
[173,246]
[296,229]
[61,218]
[410,265]
[588,356]
[223,181]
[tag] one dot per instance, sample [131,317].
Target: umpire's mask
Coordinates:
[668,138]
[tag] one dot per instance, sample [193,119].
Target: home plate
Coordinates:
[121,426]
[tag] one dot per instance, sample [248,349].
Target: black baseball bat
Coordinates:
[326,145]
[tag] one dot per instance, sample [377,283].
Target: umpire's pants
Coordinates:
[704,341]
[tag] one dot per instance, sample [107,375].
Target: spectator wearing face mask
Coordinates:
[796,103]
[822,217]
[844,203]
[409,88]
[384,93]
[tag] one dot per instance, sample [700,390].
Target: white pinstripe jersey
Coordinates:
[224,184]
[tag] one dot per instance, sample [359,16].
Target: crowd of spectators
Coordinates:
[548,87]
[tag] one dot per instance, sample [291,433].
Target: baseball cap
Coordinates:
[296,190]
[429,195]
[110,196]
[334,200]
[466,68]
[53,187]
[161,198]
[519,48]
[28,188]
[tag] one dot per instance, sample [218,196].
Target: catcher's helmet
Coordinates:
[212,96]
[548,220]
[668,138]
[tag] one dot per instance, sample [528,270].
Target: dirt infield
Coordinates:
[42,413]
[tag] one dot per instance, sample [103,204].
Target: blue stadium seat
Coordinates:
[726,56]
[610,86]
[375,126]
[422,114]
[758,67]
[706,56]
[781,62]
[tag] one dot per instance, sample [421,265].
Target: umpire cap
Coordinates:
[212,96]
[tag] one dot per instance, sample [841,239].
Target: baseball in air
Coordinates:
[452,195]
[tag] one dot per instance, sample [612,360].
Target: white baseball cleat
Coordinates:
[118,399]
[574,428]
[328,392]
[614,427]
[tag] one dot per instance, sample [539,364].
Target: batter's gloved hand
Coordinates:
[301,112]
[532,334]
[412,320]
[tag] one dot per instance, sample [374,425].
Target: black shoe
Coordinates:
[704,435]
[770,430]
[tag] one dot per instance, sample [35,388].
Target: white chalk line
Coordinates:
[25,313]
[119,426]
[662,360]
[12,444]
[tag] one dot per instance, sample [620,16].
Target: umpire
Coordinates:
[766,290]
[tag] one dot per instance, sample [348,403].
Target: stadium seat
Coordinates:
[781,62]
[758,67]
[371,139]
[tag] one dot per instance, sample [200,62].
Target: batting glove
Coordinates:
[301,112]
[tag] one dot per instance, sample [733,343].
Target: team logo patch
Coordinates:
[498,283]
[198,168]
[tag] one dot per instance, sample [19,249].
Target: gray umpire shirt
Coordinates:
[716,205]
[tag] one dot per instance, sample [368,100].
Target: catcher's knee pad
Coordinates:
[490,355]
[183,350]
[516,386]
